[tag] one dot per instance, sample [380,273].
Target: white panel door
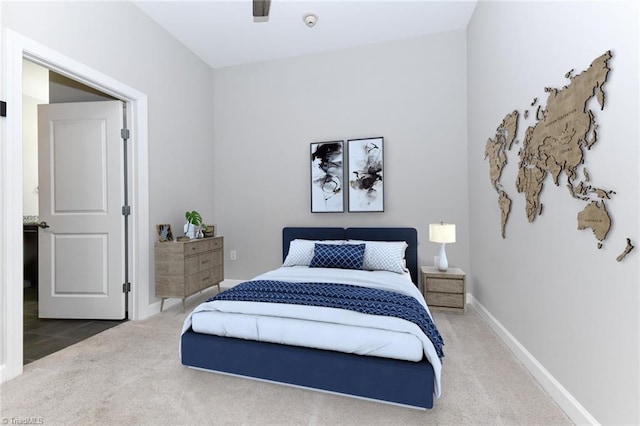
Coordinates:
[80,174]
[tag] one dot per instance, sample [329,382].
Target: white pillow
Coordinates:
[384,256]
[301,251]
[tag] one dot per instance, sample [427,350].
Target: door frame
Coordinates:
[17,48]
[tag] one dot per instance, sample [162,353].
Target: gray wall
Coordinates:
[411,92]
[572,306]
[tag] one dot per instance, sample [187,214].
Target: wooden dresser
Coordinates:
[444,290]
[187,267]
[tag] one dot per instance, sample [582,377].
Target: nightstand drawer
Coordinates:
[445,285]
[449,300]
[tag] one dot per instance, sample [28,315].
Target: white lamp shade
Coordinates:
[442,233]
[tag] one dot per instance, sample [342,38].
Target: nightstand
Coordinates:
[445,290]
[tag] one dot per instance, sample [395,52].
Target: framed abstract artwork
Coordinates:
[327,174]
[164,232]
[366,183]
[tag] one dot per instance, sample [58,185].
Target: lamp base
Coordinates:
[443,265]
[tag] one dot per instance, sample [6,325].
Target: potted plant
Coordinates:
[194,226]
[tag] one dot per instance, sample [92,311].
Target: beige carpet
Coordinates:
[131,375]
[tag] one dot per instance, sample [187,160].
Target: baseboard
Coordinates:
[576,412]
[228,283]
[154,308]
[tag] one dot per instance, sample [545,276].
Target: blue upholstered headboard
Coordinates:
[410,235]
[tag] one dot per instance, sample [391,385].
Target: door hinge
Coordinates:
[126,287]
[126,210]
[124,134]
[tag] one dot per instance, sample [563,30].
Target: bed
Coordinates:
[370,370]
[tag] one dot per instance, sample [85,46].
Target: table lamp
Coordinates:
[442,233]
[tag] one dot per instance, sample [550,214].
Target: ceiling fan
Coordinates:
[261,8]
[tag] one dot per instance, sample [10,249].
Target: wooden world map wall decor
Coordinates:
[556,144]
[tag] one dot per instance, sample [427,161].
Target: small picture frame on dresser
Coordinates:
[210,231]
[164,232]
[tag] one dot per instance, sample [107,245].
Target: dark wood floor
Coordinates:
[46,336]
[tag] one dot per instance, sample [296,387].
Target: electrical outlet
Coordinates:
[233,255]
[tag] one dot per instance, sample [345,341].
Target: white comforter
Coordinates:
[323,328]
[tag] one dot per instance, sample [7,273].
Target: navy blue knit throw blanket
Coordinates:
[343,296]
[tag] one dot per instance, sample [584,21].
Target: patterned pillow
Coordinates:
[301,251]
[384,256]
[347,256]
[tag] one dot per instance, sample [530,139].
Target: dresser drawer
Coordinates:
[195,247]
[214,243]
[196,282]
[449,300]
[445,285]
[191,265]
[202,245]
[217,274]
[206,261]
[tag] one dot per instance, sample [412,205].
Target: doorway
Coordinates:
[43,336]
[18,48]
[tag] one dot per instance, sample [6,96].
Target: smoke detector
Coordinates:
[310,19]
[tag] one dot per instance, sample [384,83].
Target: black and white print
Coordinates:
[366,185]
[327,176]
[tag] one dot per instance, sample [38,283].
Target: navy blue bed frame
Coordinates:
[389,380]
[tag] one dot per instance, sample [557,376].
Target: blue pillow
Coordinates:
[346,256]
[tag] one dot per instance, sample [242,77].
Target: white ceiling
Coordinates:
[223,32]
